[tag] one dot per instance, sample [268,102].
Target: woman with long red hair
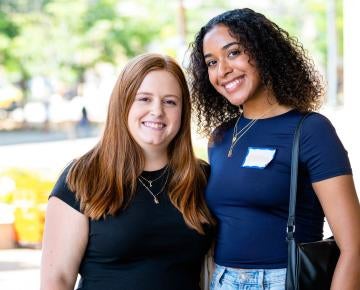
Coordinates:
[130,213]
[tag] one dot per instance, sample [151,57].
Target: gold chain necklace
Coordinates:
[237,135]
[157,178]
[155,196]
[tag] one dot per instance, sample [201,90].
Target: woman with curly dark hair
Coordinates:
[251,85]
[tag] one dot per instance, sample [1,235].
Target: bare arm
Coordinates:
[341,207]
[64,242]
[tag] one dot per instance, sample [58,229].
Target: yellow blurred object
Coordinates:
[28,194]
[9,95]
[29,224]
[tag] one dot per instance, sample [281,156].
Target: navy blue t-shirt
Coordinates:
[249,192]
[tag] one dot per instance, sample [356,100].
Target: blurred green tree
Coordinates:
[62,39]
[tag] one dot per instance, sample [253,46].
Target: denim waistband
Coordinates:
[249,276]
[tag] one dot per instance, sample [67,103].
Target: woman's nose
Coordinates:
[157,108]
[224,68]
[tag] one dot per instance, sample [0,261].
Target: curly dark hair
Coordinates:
[281,60]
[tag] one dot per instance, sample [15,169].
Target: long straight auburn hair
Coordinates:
[105,178]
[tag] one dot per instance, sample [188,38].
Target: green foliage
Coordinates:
[22,6]
[7,27]
[8,30]
[340,26]
[100,10]
[62,39]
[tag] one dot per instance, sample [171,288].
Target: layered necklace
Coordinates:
[236,136]
[150,182]
[142,180]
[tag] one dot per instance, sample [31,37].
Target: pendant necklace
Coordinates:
[237,135]
[157,178]
[155,196]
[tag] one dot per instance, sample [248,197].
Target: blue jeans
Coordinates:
[225,278]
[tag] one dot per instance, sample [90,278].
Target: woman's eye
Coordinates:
[235,52]
[211,63]
[143,99]
[170,102]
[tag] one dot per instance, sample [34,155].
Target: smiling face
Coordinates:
[155,115]
[229,69]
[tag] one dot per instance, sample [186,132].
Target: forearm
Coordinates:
[343,214]
[347,272]
[56,273]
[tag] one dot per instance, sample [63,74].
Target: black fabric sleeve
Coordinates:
[62,191]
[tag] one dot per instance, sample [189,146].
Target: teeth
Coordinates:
[154,125]
[232,84]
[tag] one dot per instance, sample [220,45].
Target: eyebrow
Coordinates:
[143,93]
[150,94]
[226,46]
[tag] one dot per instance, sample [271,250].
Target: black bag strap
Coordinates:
[291,273]
[290,229]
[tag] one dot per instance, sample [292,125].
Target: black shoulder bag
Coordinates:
[310,265]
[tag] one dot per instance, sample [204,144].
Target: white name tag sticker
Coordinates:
[258,157]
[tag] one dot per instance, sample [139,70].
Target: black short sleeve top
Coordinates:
[146,246]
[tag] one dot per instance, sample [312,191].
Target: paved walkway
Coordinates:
[19,269]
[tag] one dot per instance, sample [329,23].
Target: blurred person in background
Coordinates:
[251,84]
[130,214]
